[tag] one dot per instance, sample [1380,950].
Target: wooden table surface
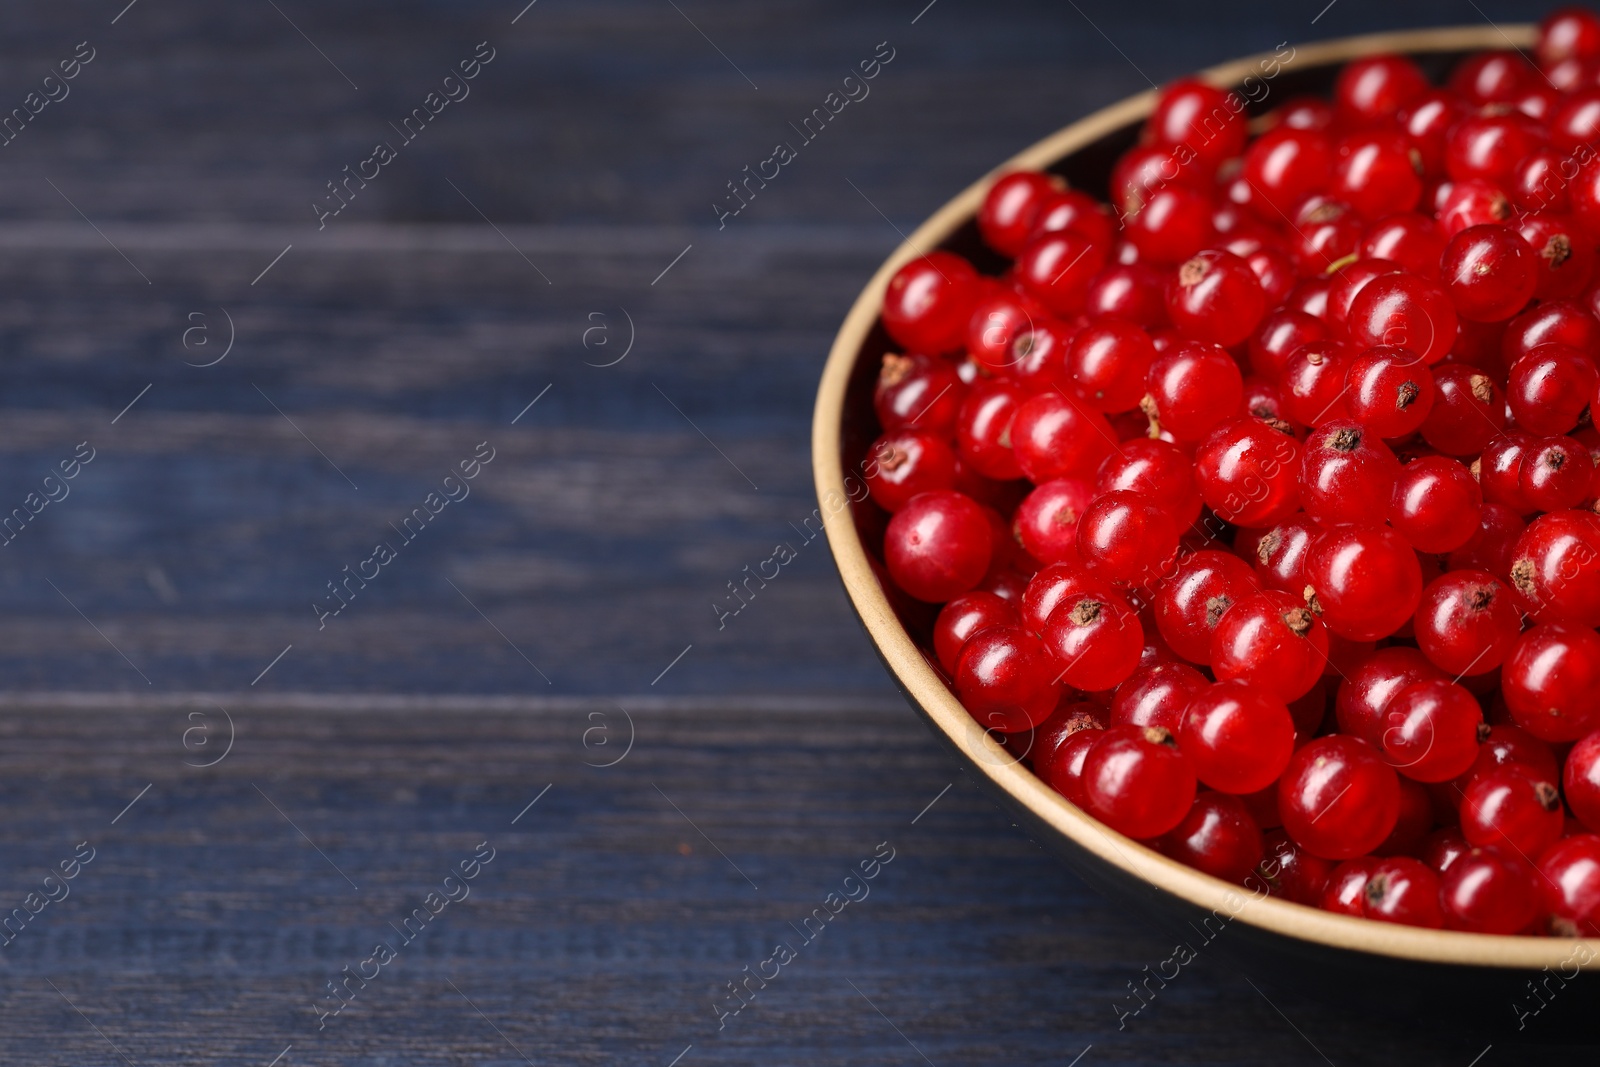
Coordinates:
[268,789]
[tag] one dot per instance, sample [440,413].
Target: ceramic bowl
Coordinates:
[1263,931]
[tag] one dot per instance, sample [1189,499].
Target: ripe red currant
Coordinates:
[1549,388]
[1551,682]
[1127,538]
[1390,391]
[1436,504]
[1570,877]
[1158,470]
[1215,297]
[920,392]
[1467,622]
[1050,436]
[1096,639]
[1193,387]
[1217,836]
[1137,782]
[1508,807]
[1009,208]
[903,463]
[1046,522]
[1247,470]
[1364,581]
[1107,362]
[1347,474]
[1237,738]
[1468,409]
[965,616]
[1402,890]
[1006,679]
[1338,798]
[1364,695]
[928,302]
[1189,605]
[938,546]
[1485,892]
[1556,565]
[1156,694]
[1431,731]
[1273,641]
[1406,311]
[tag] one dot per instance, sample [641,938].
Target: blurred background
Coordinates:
[274,343]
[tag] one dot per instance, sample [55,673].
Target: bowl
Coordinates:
[1306,945]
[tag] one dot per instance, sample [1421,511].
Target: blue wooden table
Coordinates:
[390,394]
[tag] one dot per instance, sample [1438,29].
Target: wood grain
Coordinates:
[412,727]
[606,926]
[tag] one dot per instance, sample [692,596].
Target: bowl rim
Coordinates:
[941,707]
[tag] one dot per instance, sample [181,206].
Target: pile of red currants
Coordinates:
[1261,502]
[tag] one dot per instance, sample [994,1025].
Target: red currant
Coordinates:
[1006,679]
[1192,387]
[965,616]
[1237,738]
[938,546]
[1432,731]
[1490,272]
[904,463]
[1550,387]
[1551,682]
[918,391]
[1156,694]
[1403,890]
[1280,554]
[1406,311]
[1508,807]
[1127,538]
[1293,873]
[1284,165]
[1272,641]
[1468,409]
[928,302]
[1347,474]
[1467,622]
[1217,836]
[1436,504]
[1189,605]
[1338,798]
[1364,695]
[1137,782]
[1056,268]
[1390,391]
[1484,892]
[1097,640]
[1247,471]
[1372,89]
[1215,297]
[1347,886]
[1374,173]
[1570,878]
[1364,581]
[1208,121]
[1107,362]
[1052,436]
[1556,565]
[1158,470]
[1009,208]
[1046,522]
[1409,239]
